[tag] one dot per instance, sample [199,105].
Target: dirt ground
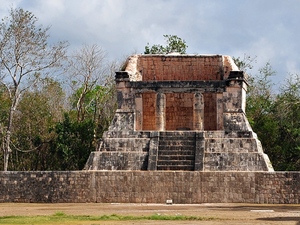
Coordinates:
[246,214]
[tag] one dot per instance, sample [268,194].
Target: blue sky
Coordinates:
[268,29]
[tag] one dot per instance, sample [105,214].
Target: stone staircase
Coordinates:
[176,151]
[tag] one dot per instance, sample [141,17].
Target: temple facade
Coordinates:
[180,112]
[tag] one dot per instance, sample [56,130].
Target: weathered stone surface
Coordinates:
[180,112]
[116,160]
[183,187]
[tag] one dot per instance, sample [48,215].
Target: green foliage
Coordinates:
[73,144]
[40,108]
[90,100]
[5,103]
[99,104]
[275,117]
[173,44]
[34,134]
[105,105]
[30,130]
[45,139]
[287,112]
[260,96]
[245,63]
[25,57]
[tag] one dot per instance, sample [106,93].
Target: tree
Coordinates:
[87,69]
[40,109]
[72,144]
[287,116]
[99,106]
[245,63]
[260,111]
[25,57]
[104,107]
[4,109]
[93,88]
[173,44]
[274,116]
[260,96]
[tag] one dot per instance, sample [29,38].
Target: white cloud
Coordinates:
[267,29]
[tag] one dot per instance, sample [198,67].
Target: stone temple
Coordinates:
[180,112]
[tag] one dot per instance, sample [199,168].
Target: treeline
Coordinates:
[274,114]
[54,106]
[50,133]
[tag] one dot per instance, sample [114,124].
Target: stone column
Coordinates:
[234,106]
[220,111]
[124,116]
[160,115]
[198,111]
[124,97]
[236,92]
[138,111]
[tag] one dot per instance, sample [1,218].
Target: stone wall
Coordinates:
[149,103]
[180,67]
[179,111]
[210,111]
[150,187]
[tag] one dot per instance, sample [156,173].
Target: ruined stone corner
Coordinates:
[131,67]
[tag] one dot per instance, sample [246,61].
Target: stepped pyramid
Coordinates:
[180,112]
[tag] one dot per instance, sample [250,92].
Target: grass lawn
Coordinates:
[62,218]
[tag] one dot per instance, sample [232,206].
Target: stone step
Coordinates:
[178,167]
[231,145]
[175,162]
[126,134]
[176,142]
[176,157]
[175,148]
[176,138]
[176,152]
[125,144]
[177,134]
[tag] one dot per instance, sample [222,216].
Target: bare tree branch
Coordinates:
[24,57]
